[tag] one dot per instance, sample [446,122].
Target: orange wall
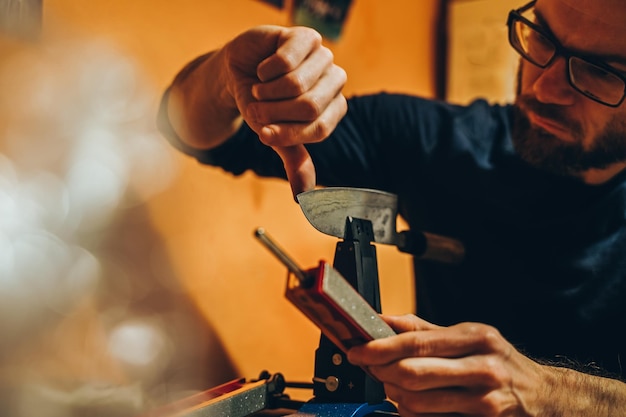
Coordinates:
[206,218]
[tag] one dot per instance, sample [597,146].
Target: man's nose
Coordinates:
[552,85]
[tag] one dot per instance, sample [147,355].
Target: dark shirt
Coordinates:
[546,255]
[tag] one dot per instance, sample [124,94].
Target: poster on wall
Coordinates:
[21,18]
[480,61]
[325,16]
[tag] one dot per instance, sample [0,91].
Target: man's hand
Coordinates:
[470,370]
[288,89]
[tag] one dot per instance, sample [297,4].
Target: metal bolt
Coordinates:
[337,359]
[331,383]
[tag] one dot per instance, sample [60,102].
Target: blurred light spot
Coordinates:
[137,343]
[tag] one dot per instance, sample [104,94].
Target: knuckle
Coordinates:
[488,406]
[492,371]
[311,33]
[295,84]
[287,60]
[324,120]
[487,337]
[312,107]
[327,55]
[421,347]
[343,105]
[341,74]
[492,403]
[405,370]
[321,131]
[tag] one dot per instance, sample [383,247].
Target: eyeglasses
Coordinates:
[596,80]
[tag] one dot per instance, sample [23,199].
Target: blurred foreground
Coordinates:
[93,320]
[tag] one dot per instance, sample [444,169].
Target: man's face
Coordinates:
[557,128]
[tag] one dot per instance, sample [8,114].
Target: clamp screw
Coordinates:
[331,383]
[337,359]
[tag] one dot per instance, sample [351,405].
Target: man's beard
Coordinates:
[547,152]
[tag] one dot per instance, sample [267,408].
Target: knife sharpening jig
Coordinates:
[343,300]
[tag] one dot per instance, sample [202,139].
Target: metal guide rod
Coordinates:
[281,255]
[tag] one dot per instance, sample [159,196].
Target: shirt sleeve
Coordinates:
[163,120]
[385,141]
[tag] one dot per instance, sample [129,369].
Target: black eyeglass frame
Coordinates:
[559,50]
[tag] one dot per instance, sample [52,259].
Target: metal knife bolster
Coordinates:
[430,246]
[327,209]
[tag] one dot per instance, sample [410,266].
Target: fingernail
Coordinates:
[267,133]
[255,91]
[252,114]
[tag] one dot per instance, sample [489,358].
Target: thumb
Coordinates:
[299,167]
[408,323]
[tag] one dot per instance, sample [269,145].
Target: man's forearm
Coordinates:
[572,393]
[200,108]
